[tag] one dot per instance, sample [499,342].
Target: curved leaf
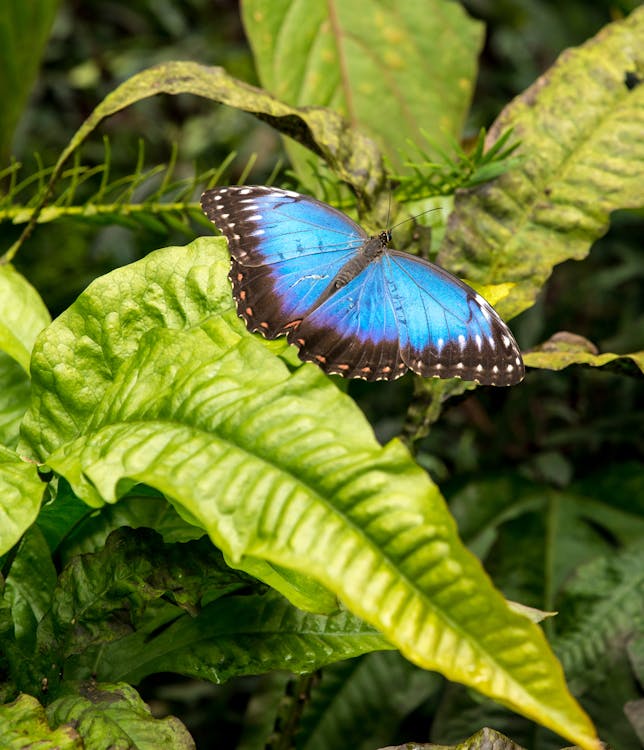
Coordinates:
[564,349]
[23,315]
[21,492]
[352,155]
[371,61]
[583,157]
[279,468]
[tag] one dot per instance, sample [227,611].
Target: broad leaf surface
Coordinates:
[580,129]
[394,70]
[279,467]
[21,492]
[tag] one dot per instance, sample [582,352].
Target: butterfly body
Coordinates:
[350,303]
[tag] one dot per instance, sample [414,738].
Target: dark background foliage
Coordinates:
[554,432]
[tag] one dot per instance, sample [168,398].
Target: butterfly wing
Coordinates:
[398,313]
[446,329]
[404,313]
[354,332]
[286,248]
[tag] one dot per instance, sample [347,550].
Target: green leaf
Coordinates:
[564,349]
[278,467]
[29,588]
[172,289]
[21,492]
[582,157]
[235,636]
[114,716]
[23,315]
[24,29]
[139,606]
[371,61]
[15,393]
[23,724]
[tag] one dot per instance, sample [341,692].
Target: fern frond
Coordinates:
[605,606]
[437,172]
[149,197]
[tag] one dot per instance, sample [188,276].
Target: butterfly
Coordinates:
[350,303]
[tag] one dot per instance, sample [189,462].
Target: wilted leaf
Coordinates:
[109,716]
[564,349]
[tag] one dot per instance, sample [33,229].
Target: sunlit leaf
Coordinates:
[279,467]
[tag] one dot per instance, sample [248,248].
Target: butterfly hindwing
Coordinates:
[368,346]
[446,328]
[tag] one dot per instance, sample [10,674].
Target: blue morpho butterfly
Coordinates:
[352,305]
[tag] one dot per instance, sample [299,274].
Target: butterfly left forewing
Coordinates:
[285,248]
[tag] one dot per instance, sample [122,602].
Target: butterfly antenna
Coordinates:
[415,216]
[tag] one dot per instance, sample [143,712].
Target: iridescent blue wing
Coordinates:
[286,250]
[404,313]
[446,329]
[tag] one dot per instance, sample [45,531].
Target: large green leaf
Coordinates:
[279,467]
[24,29]
[580,131]
[395,70]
